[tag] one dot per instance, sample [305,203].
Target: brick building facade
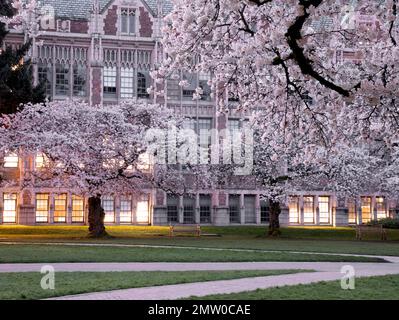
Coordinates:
[102,51]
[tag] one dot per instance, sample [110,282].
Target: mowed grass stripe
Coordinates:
[369,288]
[27,285]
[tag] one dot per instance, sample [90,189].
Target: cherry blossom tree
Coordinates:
[323,72]
[288,161]
[91,150]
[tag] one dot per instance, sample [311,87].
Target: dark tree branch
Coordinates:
[293,35]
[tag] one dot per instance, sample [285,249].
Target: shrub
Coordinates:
[389,223]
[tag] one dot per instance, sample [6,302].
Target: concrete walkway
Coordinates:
[324,271]
[327,272]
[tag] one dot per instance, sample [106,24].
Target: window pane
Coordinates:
[188,209]
[352,216]
[126,210]
[11,161]
[45,77]
[109,209]
[324,209]
[264,211]
[77,208]
[142,215]
[132,21]
[42,207]
[79,81]
[127,75]
[308,210]
[381,208]
[366,209]
[205,208]
[124,17]
[203,79]
[60,208]
[110,81]
[40,160]
[172,208]
[62,79]
[293,207]
[189,89]
[10,207]
[143,82]
[234,208]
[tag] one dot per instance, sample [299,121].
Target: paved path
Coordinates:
[324,271]
[186,290]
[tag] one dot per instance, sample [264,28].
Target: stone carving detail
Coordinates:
[27,198]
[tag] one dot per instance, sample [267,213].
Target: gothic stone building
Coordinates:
[102,51]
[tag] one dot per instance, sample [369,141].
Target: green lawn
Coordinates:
[26,253]
[309,239]
[27,285]
[372,288]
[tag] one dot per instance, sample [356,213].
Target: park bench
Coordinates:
[194,229]
[362,230]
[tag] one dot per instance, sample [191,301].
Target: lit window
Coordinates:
[110,81]
[62,79]
[79,80]
[77,209]
[381,208]
[40,160]
[142,210]
[324,209]
[126,210]
[60,208]
[10,208]
[366,209]
[293,209]
[352,216]
[127,75]
[11,161]
[42,207]
[109,209]
[128,21]
[308,209]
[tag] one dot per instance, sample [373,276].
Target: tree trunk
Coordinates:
[274,224]
[96,218]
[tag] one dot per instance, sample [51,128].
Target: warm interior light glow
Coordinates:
[10,207]
[142,211]
[40,160]
[11,161]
